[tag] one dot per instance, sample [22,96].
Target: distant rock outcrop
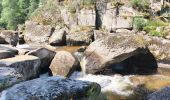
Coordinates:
[37,34]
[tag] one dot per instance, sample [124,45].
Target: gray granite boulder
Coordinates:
[51,88]
[37,34]
[45,55]
[58,37]
[6,54]
[28,66]
[110,50]
[9,77]
[163,94]
[10,37]
[64,64]
[79,38]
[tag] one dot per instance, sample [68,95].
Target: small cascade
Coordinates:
[83,68]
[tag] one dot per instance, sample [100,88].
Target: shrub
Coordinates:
[152,26]
[139,23]
[141,5]
[89,4]
[48,14]
[72,9]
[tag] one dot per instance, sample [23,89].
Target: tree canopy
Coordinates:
[14,12]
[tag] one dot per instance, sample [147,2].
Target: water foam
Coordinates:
[23,46]
[118,84]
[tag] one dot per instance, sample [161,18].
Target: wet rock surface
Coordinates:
[51,88]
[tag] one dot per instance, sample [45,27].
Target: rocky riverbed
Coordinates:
[88,50]
[114,86]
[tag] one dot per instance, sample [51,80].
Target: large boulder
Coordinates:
[28,66]
[45,55]
[79,38]
[2,40]
[159,47]
[51,88]
[37,34]
[58,37]
[162,94]
[9,48]
[10,37]
[9,77]
[6,54]
[64,63]
[111,50]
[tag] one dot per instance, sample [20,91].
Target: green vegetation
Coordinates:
[141,5]
[139,23]
[89,4]
[156,27]
[116,3]
[47,14]
[14,12]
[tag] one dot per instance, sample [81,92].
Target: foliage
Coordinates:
[48,14]
[11,13]
[72,8]
[89,4]
[156,27]
[139,23]
[141,5]
[33,6]
[14,12]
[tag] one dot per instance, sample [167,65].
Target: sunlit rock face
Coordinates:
[80,38]
[64,63]
[37,34]
[51,88]
[28,66]
[110,50]
[10,37]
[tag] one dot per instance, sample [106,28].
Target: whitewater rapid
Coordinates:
[117,84]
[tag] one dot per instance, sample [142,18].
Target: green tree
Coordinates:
[15,12]
[11,13]
[33,5]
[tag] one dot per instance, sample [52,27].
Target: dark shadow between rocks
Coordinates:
[141,64]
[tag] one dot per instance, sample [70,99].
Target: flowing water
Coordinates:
[128,87]
[119,87]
